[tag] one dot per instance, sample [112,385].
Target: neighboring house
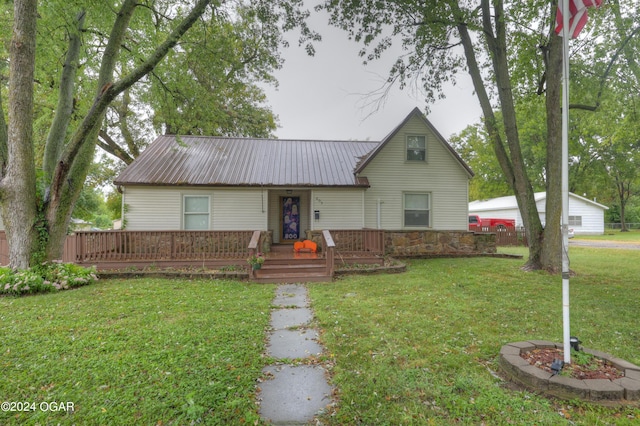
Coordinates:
[411,180]
[586,217]
[79,225]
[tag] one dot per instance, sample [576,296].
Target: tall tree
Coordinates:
[447,37]
[215,92]
[17,187]
[116,54]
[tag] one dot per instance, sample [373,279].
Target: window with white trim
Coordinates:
[196,212]
[575,220]
[417,210]
[416,148]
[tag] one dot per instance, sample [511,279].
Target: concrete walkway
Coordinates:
[292,394]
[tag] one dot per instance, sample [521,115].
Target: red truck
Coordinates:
[476,223]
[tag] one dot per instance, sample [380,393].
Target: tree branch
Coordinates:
[62,118]
[107,92]
[107,143]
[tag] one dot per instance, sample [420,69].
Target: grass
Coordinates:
[413,348]
[614,235]
[145,351]
[421,348]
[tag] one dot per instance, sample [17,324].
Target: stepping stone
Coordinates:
[285,318]
[291,295]
[294,395]
[293,344]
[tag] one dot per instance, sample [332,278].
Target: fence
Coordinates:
[359,241]
[117,248]
[122,248]
[506,236]
[619,225]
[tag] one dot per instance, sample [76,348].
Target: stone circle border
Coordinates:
[519,370]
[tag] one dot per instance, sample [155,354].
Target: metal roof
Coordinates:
[200,160]
[510,202]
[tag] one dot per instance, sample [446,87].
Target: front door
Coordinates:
[290,219]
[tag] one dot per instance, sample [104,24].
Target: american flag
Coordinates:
[577,15]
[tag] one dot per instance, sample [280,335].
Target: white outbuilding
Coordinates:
[586,217]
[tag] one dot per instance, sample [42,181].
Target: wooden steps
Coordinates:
[282,265]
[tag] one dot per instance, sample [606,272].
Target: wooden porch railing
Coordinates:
[122,245]
[359,240]
[118,248]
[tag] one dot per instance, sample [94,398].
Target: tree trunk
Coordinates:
[552,243]
[18,187]
[623,196]
[511,162]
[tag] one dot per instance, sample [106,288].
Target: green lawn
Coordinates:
[421,348]
[145,351]
[413,348]
[614,235]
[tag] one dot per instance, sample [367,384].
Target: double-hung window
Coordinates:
[417,210]
[416,148]
[196,212]
[575,220]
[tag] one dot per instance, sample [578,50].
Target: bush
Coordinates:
[45,278]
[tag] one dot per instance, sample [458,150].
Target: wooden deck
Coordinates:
[109,250]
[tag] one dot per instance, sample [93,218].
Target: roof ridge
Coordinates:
[250,138]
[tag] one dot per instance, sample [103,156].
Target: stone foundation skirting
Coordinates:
[428,243]
[438,243]
[522,372]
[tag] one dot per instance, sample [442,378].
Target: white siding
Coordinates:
[339,208]
[152,208]
[591,213]
[239,209]
[592,217]
[160,208]
[442,176]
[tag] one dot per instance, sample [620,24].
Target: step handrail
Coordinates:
[330,248]
[253,249]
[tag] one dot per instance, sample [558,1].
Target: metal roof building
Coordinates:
[221,161]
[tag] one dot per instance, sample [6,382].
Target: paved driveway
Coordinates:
[605,244]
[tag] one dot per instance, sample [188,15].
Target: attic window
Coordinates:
[416,148]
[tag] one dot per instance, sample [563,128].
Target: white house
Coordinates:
[586,217]
[411,180]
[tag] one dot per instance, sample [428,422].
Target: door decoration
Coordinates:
[290,218]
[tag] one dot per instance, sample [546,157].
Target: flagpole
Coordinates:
[565,182]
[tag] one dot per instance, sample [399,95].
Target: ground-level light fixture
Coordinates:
[575,343]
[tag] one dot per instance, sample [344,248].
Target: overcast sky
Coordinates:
[325,96]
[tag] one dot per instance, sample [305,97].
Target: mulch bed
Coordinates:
[596,368]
